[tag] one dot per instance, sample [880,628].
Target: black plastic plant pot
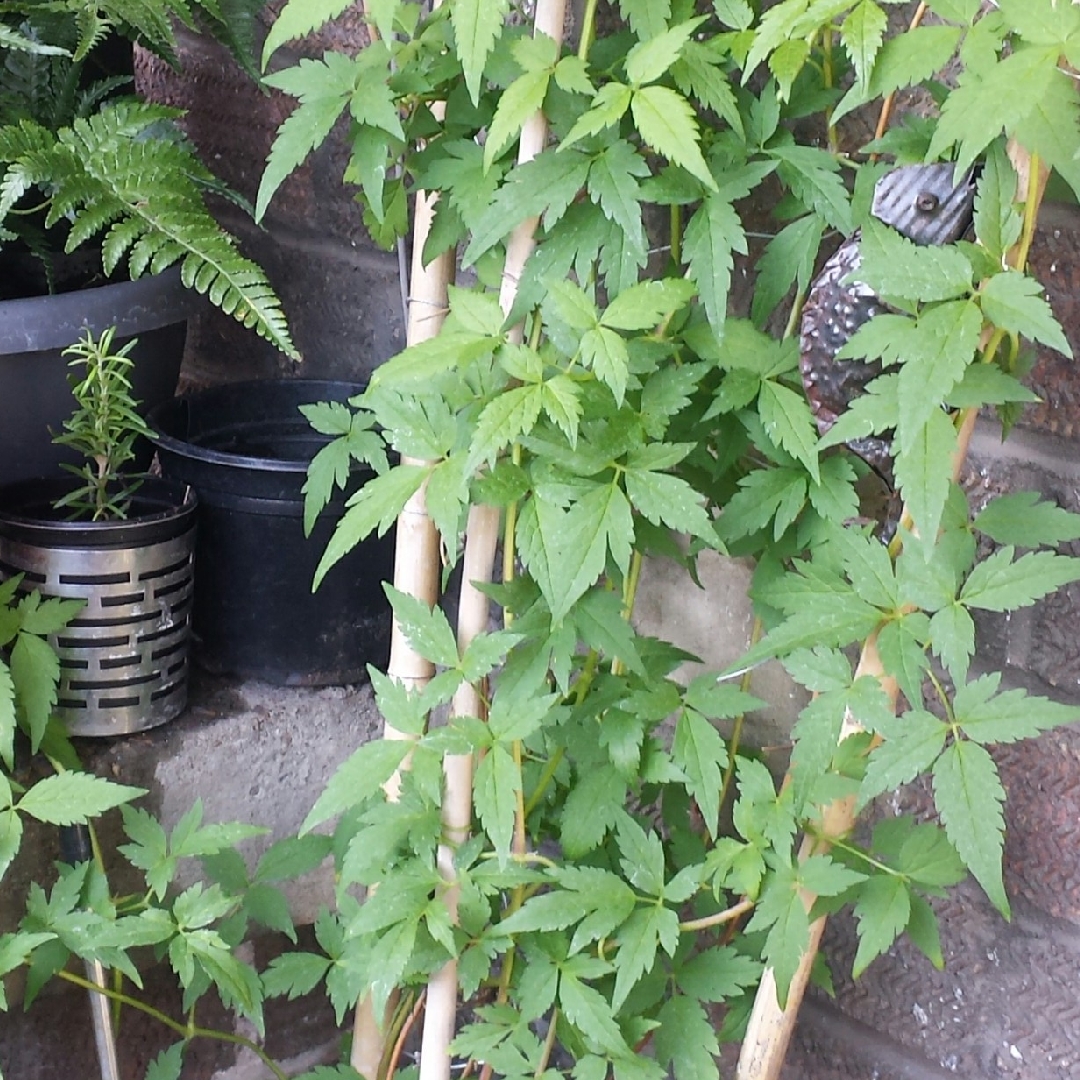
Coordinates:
[34,395]
[124,658]
[245,448]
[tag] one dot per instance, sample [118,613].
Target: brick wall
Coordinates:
[1006,1004]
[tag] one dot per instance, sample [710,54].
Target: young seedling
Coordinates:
[103,428]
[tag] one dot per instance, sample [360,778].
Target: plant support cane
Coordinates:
[416,561]
[479,557]
[772,1025]
[75,849]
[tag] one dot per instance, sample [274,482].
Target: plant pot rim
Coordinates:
[320,389]
[163,501]
[40,323]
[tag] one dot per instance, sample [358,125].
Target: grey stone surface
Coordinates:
[714,623]
[249,751]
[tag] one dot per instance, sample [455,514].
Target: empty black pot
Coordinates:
[245,449]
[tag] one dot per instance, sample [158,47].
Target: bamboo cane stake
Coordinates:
[770,1028]
[416,561]
[482,534]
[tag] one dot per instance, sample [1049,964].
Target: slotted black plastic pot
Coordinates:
[245,449]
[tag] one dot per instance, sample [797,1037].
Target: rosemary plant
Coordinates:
[103,428]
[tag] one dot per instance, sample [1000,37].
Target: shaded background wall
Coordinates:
[340,292]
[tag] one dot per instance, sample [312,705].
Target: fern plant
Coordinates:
[85,162]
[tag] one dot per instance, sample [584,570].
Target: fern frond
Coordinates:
[15,184]
[92,28]
[26,137]
[147,20]
[111,170]
[12,39]
[31,81]
[92,96]
[235,24]
[118,241]
[91,220]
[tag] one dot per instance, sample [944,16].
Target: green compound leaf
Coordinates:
[712,235]
[924,472]
[495,788]
[608,108]
[788,258]
[814,178]
[668,500]
[74,797]
[1024,520]
[294,974]
[988,717]
[700,752]
[375,506]
[969,797]
[925,274]
[11,831]
[477,26]
[1000,584]
[952,638]
[781,911]
[605,352]
[937,351]
[357,779]
[7,716]
[167,1065]
[647,928]
[912,744]
[598,899]
[998,222]
[589,1011]
[298,18]
[523,97]
[650,59]
[861,34]
[667,123]
[789,423]
[324,89]
[1016,303]
[883,910]
[592,808]
[426,628]
[35,671]
[686,1040]
[613,184]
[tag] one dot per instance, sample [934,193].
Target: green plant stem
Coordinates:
[549,1044]
[525,859]
[721,917]
[793,317]
[1031,213]
[630,588]
[828,78]
[404,1015]
[509,553]
[676,234]
[588,29]
[188,1031]
[858,853]
[546,777]
[942,696]
[736,731]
